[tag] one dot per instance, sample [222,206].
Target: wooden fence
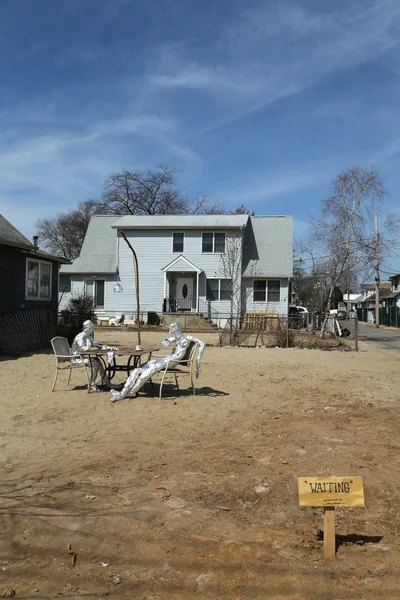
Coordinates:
[26,331]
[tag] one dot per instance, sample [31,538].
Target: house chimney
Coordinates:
[35,241]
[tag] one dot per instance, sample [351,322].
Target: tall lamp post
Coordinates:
[136,281]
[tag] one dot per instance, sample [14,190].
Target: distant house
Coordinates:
[394,297]
[354,299]
[368,295]
[28,282]
[181,263]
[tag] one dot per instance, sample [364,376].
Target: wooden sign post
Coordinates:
[330,492]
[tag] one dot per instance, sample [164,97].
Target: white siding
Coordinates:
[154,252]
[280,307]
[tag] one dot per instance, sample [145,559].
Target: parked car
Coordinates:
[302,309]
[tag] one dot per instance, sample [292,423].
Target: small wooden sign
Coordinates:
[331,491]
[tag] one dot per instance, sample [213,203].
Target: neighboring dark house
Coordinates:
[29,291]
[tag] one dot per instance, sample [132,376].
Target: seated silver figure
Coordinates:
[85,341]
[141,374]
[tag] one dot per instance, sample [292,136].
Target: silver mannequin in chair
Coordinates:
[85,341]
[141,374]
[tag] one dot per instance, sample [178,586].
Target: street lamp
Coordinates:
[118,287]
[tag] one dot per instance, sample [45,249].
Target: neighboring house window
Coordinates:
[177,242]
[95,289]
[218,289]
[267,290]
[38,279]
[213,243]
[260,290]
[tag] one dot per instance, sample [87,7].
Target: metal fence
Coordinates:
[389,316]
[301,331]
[251,329]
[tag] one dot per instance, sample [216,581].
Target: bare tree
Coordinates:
[343,234]
[306,285]
[242,210]
[203,205]
[64,234]
[153,192]
[231,274]
[235,286]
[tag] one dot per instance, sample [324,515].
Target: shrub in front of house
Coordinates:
[70,319]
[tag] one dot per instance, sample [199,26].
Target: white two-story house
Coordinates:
[186,263]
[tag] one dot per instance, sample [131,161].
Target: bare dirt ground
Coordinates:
[196,497]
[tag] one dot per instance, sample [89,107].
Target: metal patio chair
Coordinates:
[185,368]
[63,356]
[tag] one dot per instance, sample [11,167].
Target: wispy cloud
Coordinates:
[64,167]
[260,103]
[273,52]
[261,193]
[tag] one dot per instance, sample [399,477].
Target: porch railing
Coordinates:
[178,304]
[208,312]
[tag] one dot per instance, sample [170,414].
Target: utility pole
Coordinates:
[348,304]
[376,272]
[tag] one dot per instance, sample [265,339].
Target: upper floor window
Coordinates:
[95,288]
[38,279]
[178,239]
[267,290]
[213,242]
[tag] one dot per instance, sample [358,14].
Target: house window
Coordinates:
[260,290]
[218,289]
[274,290]
[267,290]
[38,279]
[94,288]
[213,243]
[177,242]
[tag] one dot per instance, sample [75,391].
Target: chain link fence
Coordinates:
[297,331]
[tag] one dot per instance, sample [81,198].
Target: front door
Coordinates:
[184,293]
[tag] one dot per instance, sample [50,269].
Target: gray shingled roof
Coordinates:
[273,254]
[10,236]
[98,253]
[382,294]
[182,222]
[274,247]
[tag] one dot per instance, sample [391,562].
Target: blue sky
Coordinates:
[260,102]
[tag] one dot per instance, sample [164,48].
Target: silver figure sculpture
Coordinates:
[141,374]
[85,341]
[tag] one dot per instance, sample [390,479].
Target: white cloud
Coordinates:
[258,194]
[270,53]
[46,174]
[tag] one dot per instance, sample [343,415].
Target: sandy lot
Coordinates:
[196,497]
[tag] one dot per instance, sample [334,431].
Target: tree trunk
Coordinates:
[327,311]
